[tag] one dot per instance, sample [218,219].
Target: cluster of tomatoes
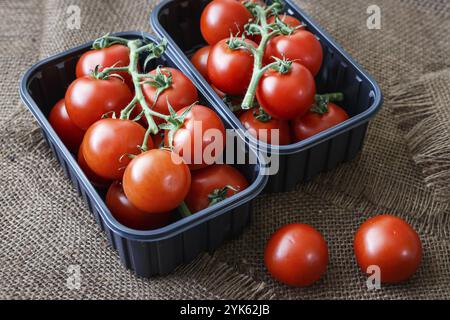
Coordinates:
[106,118]
[385,247]
[286,97]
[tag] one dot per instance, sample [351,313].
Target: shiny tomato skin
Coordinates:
[107,144]
[96,180]
[180,94]
[116,55]
[88,99]
[130,216]
[287,19]
[187,134]
[200,61]
[296,255]
[157,181]
[206,180]
[67,131]
[287,96]
[391,244]
[313,123]
[230,70]
[302,46]
[254,126]
[220,18]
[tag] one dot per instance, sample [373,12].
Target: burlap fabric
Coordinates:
[45,227]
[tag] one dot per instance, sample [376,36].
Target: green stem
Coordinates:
[258,55]
[331,97]
[184,210]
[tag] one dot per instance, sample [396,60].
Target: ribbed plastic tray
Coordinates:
[179,22]
[148,253]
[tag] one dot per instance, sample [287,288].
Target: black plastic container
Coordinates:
[148,253]
[179,22]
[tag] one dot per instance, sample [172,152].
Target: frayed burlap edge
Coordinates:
[423,115]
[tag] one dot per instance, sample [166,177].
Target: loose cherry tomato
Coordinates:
[68,132]
[200,124]
[289,20]
[88,99]
[128,215]
[287,96]
[391,244]
[301,46]
[296,255]
[108,143]
[264,128]
[96,180]
[200,61]
[230,70]
[156,181]
[220,18]
[210,185]
[312,123]
[116,55]
[181,92]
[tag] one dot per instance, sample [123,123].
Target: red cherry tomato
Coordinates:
[312,123]
[287,96]
[88,99]
[301,46]
[230,70]
[263,130]
[220,18]
[296,255]
[96,180]
[391,244]
[289,20]
[200,61]
[208,185]
[130,216]
[107,144]
[201,123]
[116,55]
[69,133]
[180,94]
[157,181]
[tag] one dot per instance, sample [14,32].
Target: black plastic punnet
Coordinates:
[179,22]
[154,252]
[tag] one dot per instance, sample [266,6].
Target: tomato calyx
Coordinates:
[322,100]
[220,194]
[107,41]
[174,122]
[262,115]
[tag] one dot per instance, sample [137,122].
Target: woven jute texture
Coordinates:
[45,227]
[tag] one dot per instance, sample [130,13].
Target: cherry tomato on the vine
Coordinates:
[301,46]
[207,186]
[181,92]
[312,123]
[108,144]
[128,215]
[220,18]
[69,133]
[116,55]
[296,255]
[265,128]
[95,179]
[391,244]
[200,61]
[287,96]
[230,70]
[88,99]
[201,127]
[157,181]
